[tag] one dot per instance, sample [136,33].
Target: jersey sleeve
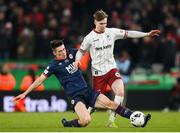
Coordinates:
[118,33]
[74,51]
[85,44]
[48,71]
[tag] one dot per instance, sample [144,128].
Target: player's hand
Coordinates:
[77,64]
[19,97]
[154,33]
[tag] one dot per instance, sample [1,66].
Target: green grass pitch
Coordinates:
[50,122]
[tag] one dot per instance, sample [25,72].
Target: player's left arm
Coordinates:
[139,34]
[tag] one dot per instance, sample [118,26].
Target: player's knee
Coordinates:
[111,105]
[119,92]
[118,88]
[85,121]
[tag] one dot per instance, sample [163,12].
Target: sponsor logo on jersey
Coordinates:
[99,48]
[95,40]
[71,68]
[107,46]
[104,47]
[72,102]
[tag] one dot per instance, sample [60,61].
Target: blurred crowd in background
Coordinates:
[27,26]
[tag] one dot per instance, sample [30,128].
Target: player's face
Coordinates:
[101,25]
[60,52]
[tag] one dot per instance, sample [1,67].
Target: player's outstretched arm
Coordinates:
[34,85]
[139,34]
[154,33]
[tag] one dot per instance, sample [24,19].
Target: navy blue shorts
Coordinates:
[87,96]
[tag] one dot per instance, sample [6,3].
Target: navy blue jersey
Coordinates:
[70,78]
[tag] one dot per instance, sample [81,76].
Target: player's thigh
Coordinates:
[100,84]
[118,87]
[104,102]
[82,112]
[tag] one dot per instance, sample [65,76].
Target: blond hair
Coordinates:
[100,15]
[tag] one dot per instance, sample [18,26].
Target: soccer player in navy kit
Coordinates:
[75,87]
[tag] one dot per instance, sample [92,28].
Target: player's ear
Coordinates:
[54,53]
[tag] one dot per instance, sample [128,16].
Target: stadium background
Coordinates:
[26,27]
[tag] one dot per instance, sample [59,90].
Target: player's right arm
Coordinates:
[82,50]
[34,85]
[79,55]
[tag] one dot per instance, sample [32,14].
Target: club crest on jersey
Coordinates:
[117,74]
[108,37]
[70,56]
[72,102]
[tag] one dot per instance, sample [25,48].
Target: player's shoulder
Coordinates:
[52,62]
[72,50]
[90,34]
[112,29]
[115,30]
[71,53]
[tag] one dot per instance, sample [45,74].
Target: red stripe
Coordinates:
[126,34]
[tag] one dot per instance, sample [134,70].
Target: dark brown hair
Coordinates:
[100,15]
[56,43]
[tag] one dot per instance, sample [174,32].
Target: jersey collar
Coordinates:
[97,31]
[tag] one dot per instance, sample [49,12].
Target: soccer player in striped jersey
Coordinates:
[100,44]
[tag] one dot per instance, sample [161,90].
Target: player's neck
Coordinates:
[59,59]
[97,31]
